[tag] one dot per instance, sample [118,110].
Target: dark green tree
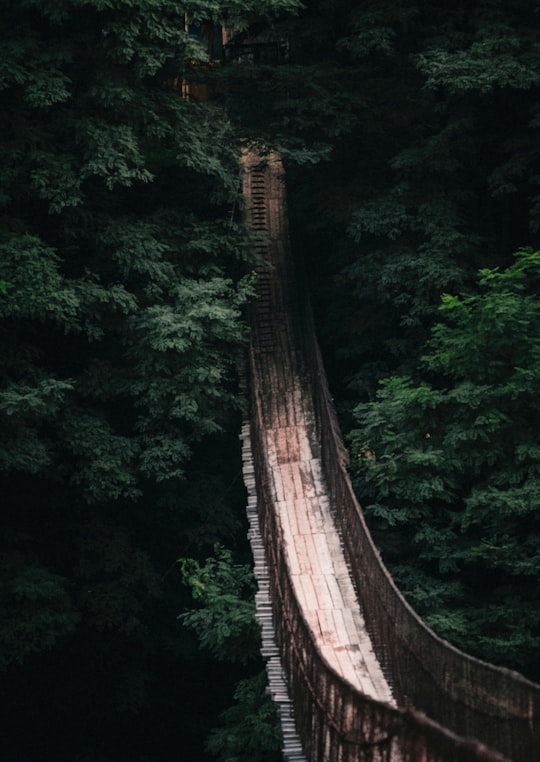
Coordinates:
[225,624]
[408,169]
[225,621]
[123,275]
[410,132]
[448,470]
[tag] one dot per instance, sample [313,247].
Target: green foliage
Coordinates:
[498,56]
[39,291]
[423,174]
[123,280]
[136,302]
[237,12]
[37,610]
[112,573]
[480,341]
[447,466]
[249,730]
[121,295]
[225,624]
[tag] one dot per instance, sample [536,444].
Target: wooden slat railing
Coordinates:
[470,696]
[334,720]
[464,698]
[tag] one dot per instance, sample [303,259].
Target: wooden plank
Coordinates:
[326,623]
[304,560]
[281,444]
[347,668]
[293,519]
[289,482]
[341,634]
[326,562]
[298,484]
[302,517]
[321,589]
[277,486]
[285,519]
[292,558]
[335,591]
[331,657]
[310,592]
[313,516]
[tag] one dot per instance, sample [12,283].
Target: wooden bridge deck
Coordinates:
[307,603]
[315,557]
[316,562]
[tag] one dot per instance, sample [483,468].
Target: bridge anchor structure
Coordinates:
[355,673]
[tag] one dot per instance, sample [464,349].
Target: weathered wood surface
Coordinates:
[344,707]
[317,566]
[277,682]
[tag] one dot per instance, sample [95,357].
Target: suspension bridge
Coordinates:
[355,673]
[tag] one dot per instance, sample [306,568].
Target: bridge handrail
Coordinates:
[335,720]
[461,692]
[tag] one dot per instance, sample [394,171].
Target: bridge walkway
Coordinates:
[317,566]
[369,682]
[315,556]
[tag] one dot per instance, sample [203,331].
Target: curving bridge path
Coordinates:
[355,673]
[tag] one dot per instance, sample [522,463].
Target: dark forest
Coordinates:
[410,132]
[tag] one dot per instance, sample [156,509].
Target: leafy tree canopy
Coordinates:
[225,623]
[249,731]
[408,169]
[123,273]
[448,468]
